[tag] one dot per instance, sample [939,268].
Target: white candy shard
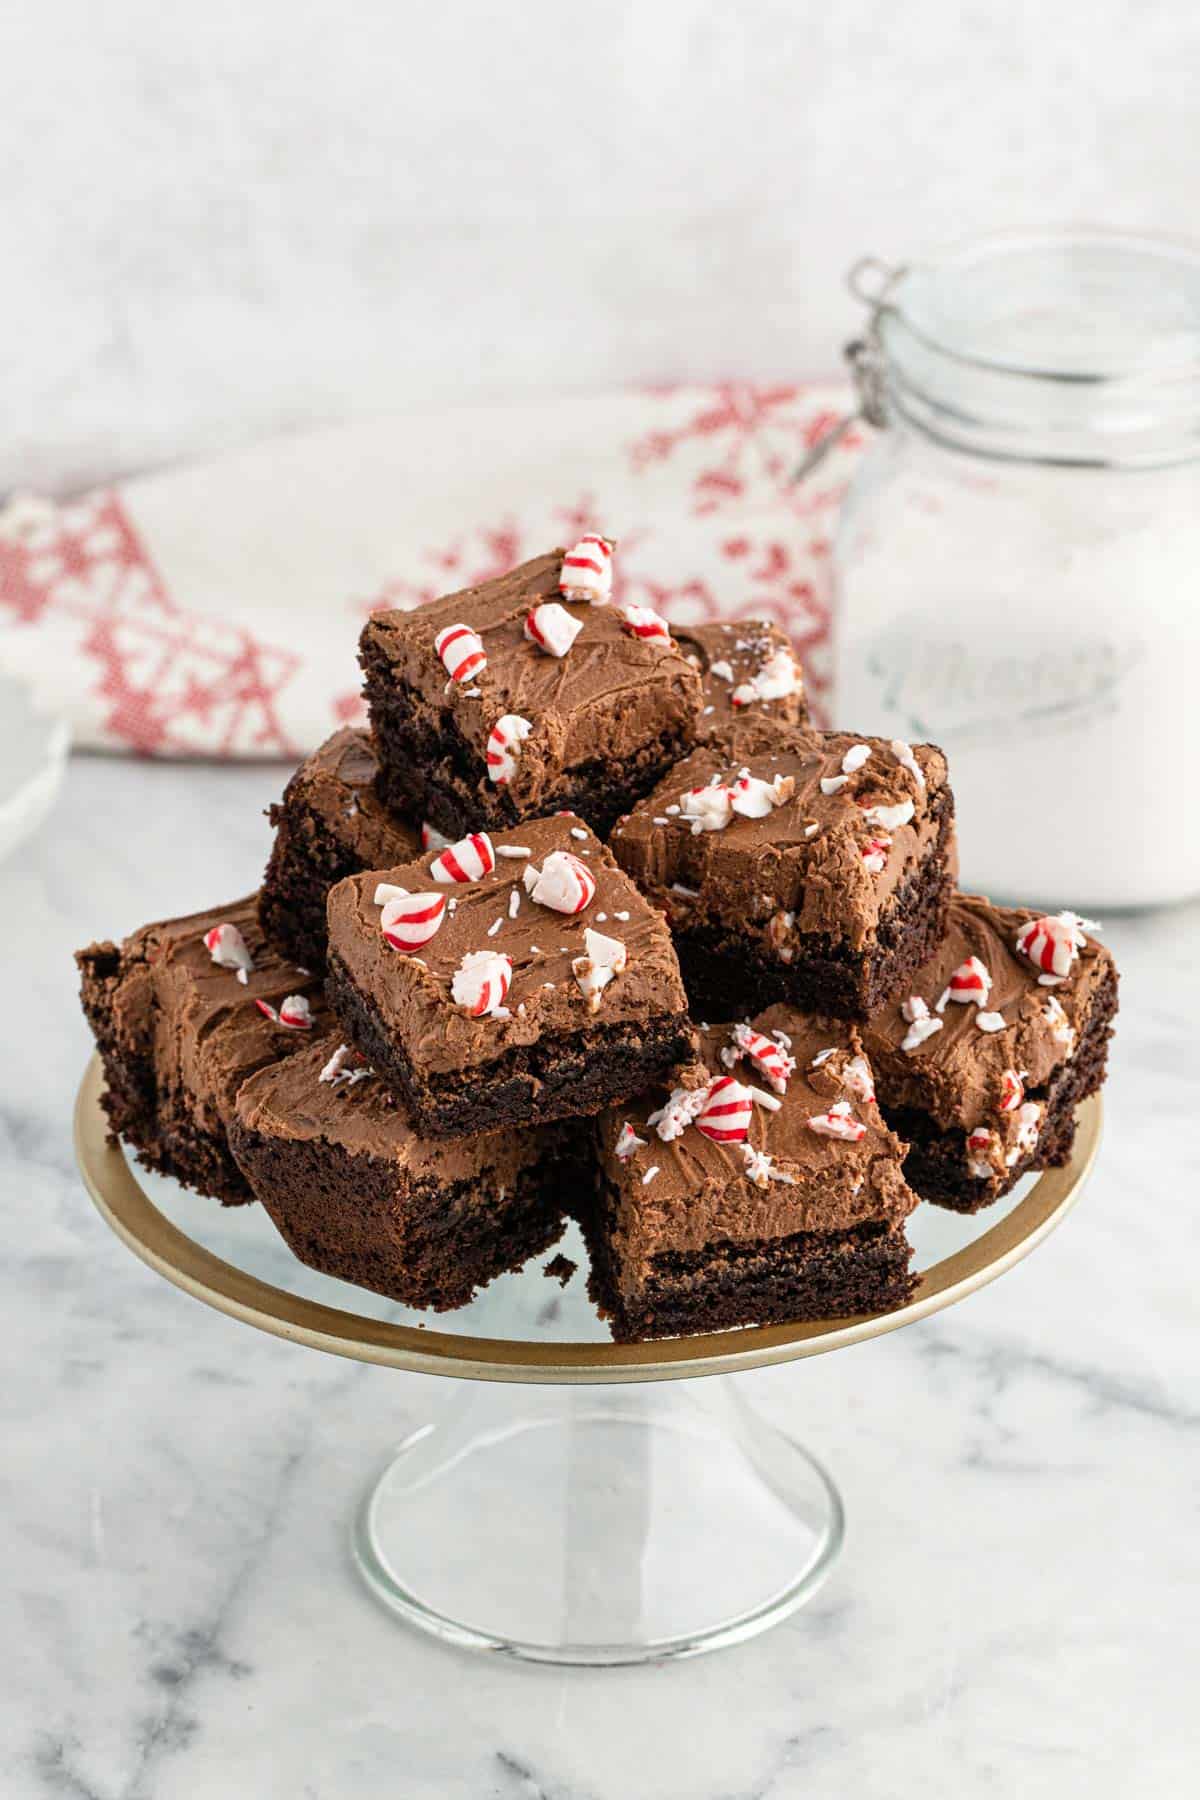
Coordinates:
[229,950]
[833,784]
[721,670]
[855,757]
[551,627]
[918,1031]
[432,839]
[779,676]
[1061,1028]
[858,1080]
[344,1065]
[503,753]
[889,818]
[707,808]
[903,754]
[587,570]
[914,1008]
[990,1021]
[676,1114]
[755,798]
[603,958]
[627,1143]
[563,883]
[294,1013]
[838,1122]
[643,622]
[387,890]
[769,1057]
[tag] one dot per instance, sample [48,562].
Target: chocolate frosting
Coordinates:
[740,646]
[956,1075]
[412,992]
[208,1034]
[609,696]
[777,878]
[702,1193]
[288,1101]
[336,783]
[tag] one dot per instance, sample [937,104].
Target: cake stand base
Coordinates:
[599,1524]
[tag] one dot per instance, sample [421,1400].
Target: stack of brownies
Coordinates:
[593,924]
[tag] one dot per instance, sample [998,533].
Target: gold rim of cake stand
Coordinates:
[171,1253]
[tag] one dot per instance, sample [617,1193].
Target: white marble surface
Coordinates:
[1014,1613]
[229,220]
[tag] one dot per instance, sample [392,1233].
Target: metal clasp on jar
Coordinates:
[871,282]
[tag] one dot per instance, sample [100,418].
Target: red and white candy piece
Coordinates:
[745,694]
[295,1013]
[769,1058]
[603,958]
[726,1111]
[858,1080]
[627,1142]
[707,808]
[838,1122]
[1012,1091]
[346,1064]
[551,627]
[889,818]
[1061,1028]
[587,570]
[755,798]
[778,677]
[564,883]
[970,983]
[921,1024]
[676,1114]
[875,854]
[1053,942]
[644,622]
[432,839]
[410,920]
[469,860]
[228,949]
[1029,1126]
[981,1146]
[504,747]
[461,651]
[481,982]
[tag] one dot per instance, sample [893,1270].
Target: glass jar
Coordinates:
[1017,565]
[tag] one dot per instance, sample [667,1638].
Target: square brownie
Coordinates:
[330,823]
[765,1187]
[507,981]
[356,1193]
[805,866]
[182,1012]
[509,700]
[982,1064]
[748,669]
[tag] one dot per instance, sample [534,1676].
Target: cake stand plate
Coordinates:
[573,1501]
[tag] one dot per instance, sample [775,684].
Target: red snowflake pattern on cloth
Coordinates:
[166,680]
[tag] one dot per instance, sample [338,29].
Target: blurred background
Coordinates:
[278,215]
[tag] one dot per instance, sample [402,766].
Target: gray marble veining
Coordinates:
[1013,1612]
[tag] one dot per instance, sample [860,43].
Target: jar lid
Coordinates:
[1069,347]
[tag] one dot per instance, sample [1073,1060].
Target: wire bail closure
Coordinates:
[870,281]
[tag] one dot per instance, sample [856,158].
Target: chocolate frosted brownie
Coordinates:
[810,867]
[182,1012]
[513,699]
[358,1194]
[507,981]
[765,1187]
[330,823]
[748,669]
[982,1064]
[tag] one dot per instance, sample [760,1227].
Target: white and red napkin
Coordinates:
[214,610]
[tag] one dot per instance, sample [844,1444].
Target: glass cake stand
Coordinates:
[573,1500]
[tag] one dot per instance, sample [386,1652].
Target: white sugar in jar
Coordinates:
[1018,562]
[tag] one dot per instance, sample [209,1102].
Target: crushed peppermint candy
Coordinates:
[778,677]
[1029,1125]
[513,850]
[1061,1028]
[855,757]
[627,1143]
[410,920]
[981,1145]
[651,1172]
[504,744]
[563,882]
[990,1021]
[643,622]
[726,1111]
[858,1080]
[346,1064]
[722,670]
[707,808]
[469,860]
[387,890]
[587,570]
[914,1008]
[769,1057]
[918,1031]
[903,754]
[432,839]
[970,983]
[823,1056]
[745,694]
[889,818]
[481,982]
[1054,941]
[833,784]
[677,1112]
[755,798]
[838,1122]
[294,1013]
[875,854]
[514,901]
[603,958]
[461,652]
[551,627]
[229,950]
[1012,1091]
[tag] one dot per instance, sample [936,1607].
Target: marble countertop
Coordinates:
[1013,1613]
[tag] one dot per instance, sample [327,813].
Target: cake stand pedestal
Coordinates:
[579,1502]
